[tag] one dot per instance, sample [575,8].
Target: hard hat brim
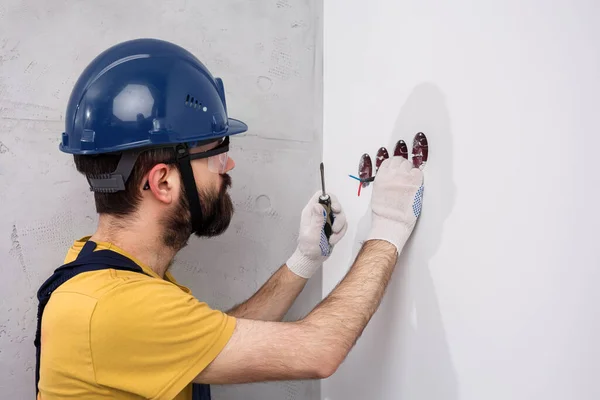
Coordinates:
[236,126]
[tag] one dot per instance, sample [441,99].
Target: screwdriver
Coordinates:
[325,200]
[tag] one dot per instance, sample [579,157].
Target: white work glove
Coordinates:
[313,248]
[396,201]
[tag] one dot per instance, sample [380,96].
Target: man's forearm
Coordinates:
[340,319]
[273,299]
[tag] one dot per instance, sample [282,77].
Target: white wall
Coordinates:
[496,296]
[269,56]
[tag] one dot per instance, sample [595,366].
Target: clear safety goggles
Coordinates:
[217,157]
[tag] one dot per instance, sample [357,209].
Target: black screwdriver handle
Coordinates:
[326,203]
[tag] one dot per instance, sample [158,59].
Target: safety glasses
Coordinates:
[217,157]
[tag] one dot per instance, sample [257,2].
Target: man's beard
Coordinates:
[217,210]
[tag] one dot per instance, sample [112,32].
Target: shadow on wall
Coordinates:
[404,349]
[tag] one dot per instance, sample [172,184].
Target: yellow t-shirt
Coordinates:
[114,334]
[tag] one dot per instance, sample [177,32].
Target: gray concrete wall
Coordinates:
[269,54]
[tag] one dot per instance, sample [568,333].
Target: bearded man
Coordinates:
[147,125]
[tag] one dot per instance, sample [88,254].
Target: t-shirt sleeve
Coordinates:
[150,338]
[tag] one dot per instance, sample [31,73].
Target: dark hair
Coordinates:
[124,202]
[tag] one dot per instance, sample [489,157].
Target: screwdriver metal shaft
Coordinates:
[323,181]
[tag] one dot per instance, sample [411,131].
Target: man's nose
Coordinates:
[230,164]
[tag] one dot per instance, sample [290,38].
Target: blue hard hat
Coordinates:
[145,93]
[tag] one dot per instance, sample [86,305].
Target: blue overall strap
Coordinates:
[200,391]
[90,260]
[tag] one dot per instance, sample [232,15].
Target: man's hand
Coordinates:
[396,201]
[276,296]
[313,248]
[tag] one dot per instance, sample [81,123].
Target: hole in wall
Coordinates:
[365,168]
[263,203]
[382,154]
[420,150]
[401,149]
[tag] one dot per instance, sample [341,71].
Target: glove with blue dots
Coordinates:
[396,201]
[313,248]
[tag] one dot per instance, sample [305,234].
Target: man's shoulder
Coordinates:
[100,283]
[82,294]
[109,297]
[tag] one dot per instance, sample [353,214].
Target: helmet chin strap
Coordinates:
[189,183]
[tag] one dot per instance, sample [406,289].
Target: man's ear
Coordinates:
[160,182]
